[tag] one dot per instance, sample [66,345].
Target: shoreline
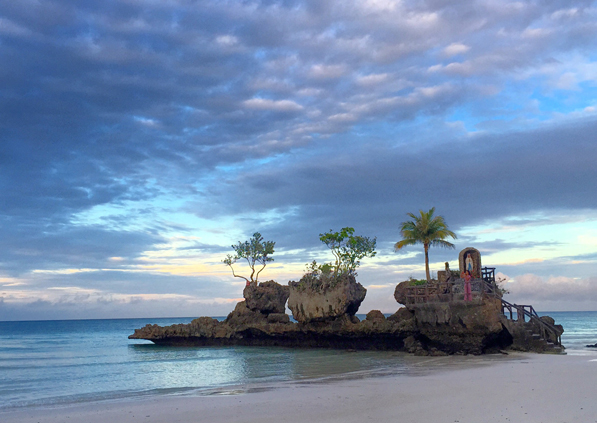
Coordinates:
[518,387]
[402,365]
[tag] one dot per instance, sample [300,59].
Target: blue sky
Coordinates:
[139,139]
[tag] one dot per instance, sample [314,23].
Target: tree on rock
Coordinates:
[348,250]
[256,252]
[425,229]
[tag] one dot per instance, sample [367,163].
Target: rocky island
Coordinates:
[437,318]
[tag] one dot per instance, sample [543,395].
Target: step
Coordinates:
[555,350]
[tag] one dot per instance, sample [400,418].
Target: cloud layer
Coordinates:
[142,138]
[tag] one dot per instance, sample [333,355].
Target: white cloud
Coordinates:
[327,71]
[554,288]
[273,105]
[381,5]
[146,121]
[456,48]
[343,117]
[372,79]
[564,13]
[226,40]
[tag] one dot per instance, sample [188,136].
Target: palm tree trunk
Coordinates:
[427,263]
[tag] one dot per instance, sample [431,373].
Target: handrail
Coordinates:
[488,274]
[521,312]
[444,291]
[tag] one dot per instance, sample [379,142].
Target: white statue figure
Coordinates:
[469,263]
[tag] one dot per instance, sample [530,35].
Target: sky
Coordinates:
[140,139]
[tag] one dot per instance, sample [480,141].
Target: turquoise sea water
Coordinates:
[62,362]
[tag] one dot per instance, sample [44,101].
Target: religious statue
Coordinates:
[469,263]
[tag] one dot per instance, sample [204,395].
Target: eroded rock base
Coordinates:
[429,330]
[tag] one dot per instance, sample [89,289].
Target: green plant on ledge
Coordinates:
[348,250]
[416,282]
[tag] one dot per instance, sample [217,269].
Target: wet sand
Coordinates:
[525,388]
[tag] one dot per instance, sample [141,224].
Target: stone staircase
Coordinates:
[541,344]
[531,332]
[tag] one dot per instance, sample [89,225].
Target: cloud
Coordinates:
[320,71]
[122,117]
[456,48]
[273,105]
[572,294]
[138,306]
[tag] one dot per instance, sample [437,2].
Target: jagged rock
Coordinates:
[461,327]
[402,314]
[550,321]
[267,297]
[243,316]
[414,346]
[375,315]
[203,327]
[314,299]
[400,292]
[278,318]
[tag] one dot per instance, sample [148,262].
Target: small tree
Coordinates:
[257,253]
[348,250]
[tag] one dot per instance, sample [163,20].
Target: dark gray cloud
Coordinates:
[53,248]
[470,181]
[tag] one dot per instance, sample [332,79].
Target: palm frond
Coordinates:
[442,243]
[407,241]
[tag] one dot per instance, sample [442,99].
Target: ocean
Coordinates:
[53,363]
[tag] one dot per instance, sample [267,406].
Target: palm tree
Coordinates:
[427,230]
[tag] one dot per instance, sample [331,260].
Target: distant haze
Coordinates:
[140,139]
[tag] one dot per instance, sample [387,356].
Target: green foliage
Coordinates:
[318,277]
[255,251]
[348,250]
[318,270]
[417,282]
[425,229]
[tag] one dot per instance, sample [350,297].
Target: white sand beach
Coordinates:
[525,388]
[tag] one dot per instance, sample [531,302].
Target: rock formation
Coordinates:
[267,297]
[318,299]
[476,327]
[325,315]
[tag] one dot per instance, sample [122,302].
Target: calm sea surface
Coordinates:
[69,361]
